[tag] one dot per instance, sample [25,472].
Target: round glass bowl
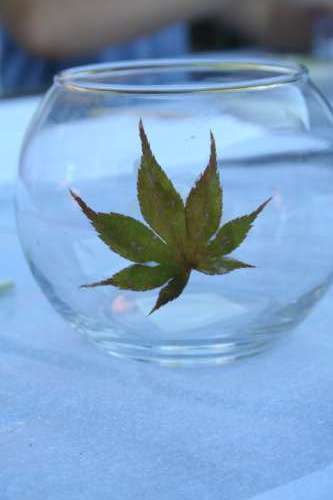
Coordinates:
[273,133]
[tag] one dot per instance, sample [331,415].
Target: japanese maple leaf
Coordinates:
[179,237]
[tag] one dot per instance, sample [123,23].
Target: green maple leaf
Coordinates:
[178,238]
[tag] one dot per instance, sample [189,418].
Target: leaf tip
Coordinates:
[90,285]
[264,205]
[144,138]
[89,212]
[75,196]
[107,282]
[213,154]
[212,145]
[152,311]
[212,140]
[156,307]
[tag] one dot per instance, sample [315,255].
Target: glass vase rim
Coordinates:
[85,78]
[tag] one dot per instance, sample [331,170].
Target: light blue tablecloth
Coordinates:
[76,424]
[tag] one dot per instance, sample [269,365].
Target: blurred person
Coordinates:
[283,25]
[41,37]
[276,25]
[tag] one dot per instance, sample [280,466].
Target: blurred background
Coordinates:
[39,38]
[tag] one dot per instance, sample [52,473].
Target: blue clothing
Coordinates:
[23,72]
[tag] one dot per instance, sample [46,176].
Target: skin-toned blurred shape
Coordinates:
[61,28]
